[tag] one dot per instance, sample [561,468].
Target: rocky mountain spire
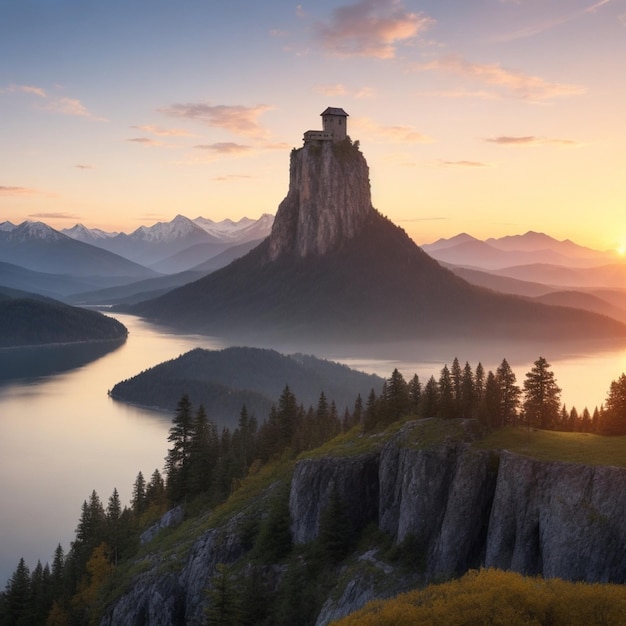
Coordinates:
[328,199]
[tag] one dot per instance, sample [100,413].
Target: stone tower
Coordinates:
[335,121]
[335,127]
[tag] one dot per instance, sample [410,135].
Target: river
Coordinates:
[61,436]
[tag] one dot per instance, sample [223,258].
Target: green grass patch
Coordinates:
[547,445]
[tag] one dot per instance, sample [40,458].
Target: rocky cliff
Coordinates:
[456,506]
[327,202]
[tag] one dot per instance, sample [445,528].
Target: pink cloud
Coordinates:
[521,85]
[370,28]
[163,132]
[238,119]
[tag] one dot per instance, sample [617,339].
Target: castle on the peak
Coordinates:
[335,127]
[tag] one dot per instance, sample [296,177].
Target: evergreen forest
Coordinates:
[207,469]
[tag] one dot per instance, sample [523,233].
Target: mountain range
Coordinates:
[78,266]
[334,269]
[61,264]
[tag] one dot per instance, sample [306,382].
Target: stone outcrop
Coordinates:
[327,202]
[456,506]
[558,520]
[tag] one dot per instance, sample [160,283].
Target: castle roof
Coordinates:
[334,111]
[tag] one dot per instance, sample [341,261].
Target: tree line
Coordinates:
[495,399]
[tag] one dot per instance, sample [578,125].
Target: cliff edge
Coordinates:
[445,505]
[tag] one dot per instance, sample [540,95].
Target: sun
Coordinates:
[621,249]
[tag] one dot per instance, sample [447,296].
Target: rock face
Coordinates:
[465,508]
[327,202]
[454,506]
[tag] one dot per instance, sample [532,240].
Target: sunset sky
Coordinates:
[490,117]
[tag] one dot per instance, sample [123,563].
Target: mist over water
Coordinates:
[61,436]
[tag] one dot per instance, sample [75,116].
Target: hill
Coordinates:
[38,321]
[224,380]
[334,269]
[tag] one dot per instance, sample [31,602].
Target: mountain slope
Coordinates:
[38,321]
[334,269]
[36,246]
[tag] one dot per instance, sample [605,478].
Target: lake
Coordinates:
[61,436]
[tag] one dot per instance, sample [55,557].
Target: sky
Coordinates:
[490,117]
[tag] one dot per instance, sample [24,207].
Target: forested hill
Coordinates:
[36,321]
[224,380]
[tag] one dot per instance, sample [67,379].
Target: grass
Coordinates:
[547,445]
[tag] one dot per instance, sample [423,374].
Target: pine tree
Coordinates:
[357,412]
[138,498]
[415,392]
[446,404]
[177,460]
[429,399]
[370,417]
[614,416]
[203,454]
[479,384]
[456,377]
[509,394]
[467,401]
[541,396]
[585,421]
[397,400]
[224,607]
[491,405]
[155,492]
[336,532]
[287,414]
[17,604]
[113,536]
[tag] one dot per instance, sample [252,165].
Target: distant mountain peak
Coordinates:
[328,200]
[29,230]
[7,226]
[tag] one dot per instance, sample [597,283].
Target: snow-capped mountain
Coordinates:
[32,231]
[6,226]
[245,229]
[180,228]
[87,235]
[154,245]
[40,248]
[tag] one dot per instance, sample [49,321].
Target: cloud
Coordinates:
[71,106]
[531,140]
[370,28]
[521,85]
[36,91]
[237,119]
[163,132]
[55,216]
[540,27]
[83,166]
[16,191]
[464,164]
[65,106]
[395,134]
[225,148]
[146,141]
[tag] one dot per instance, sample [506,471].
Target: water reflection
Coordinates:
[37,361]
